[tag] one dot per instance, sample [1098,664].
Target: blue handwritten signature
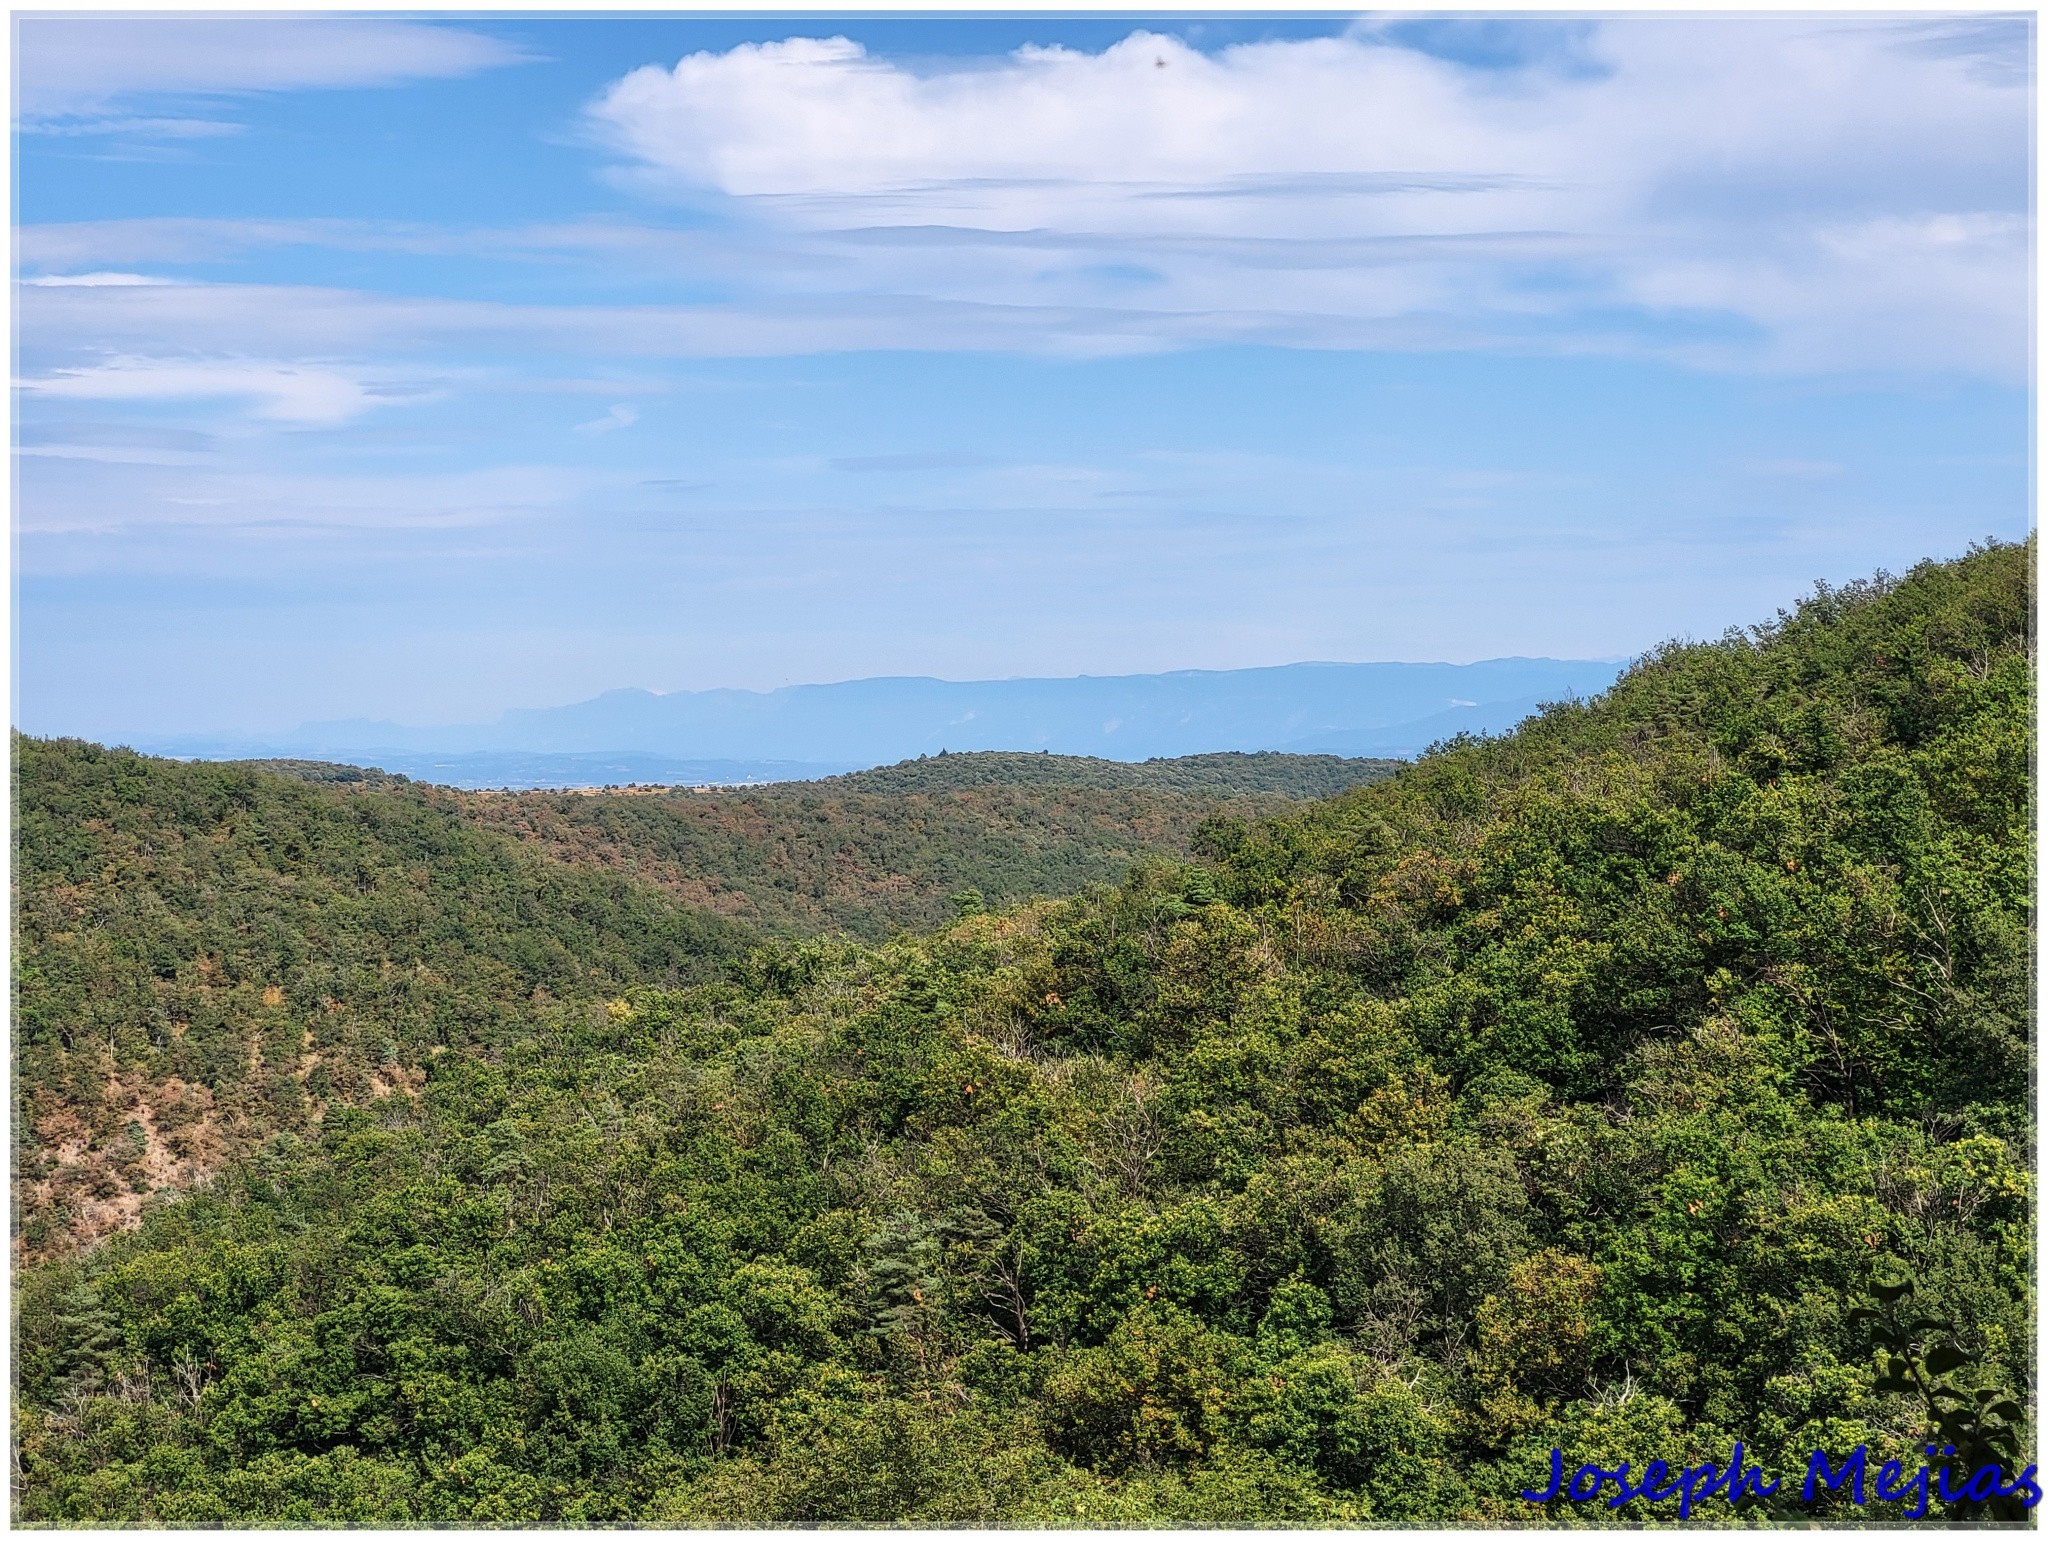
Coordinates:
[1692,1485]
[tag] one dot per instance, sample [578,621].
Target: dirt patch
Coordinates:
[144,1139]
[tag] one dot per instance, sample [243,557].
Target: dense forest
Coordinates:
[1596,1087]
[208,955]
[883,850]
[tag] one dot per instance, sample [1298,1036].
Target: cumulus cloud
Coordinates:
[1149,135]
[303,394]
[1744,191]
[81,66]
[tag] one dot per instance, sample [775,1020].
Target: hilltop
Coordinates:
[1283,775]
[903,846]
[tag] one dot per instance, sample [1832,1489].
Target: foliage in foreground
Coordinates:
[1572,1089]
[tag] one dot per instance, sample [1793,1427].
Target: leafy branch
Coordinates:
[1918,1355]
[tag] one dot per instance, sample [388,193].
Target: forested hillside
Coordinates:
[1569,1089]
[211,954]
[1282,775]
[873,853]
[206,955]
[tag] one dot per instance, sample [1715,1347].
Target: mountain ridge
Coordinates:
[885,719]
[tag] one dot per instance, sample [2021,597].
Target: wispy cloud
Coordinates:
[74,73]
[114,443]
[624,415]
[289,320]
[145,128]
[92,281]
[295,393]
[136,489]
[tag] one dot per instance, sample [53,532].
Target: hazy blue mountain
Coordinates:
[1405,740]
[1399,707]
[522,770]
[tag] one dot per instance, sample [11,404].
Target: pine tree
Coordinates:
[90,1342]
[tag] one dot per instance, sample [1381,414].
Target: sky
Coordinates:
[420,369]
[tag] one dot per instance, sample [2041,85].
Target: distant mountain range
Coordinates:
[732,737]
[521,771]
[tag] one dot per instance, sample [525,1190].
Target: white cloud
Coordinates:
[69,66]
[1344,135]
[1736,193]
[147,128]
[92,281]
[289,393]
[291,321]
[1742,191]
[1148,136]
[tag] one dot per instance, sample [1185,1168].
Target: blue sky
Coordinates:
[417,369]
